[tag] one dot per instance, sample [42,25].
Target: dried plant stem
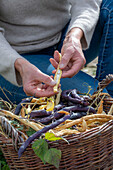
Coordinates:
[66,132]
[111,110]
[6,95]
[86,118]
[26,122]
[104,83]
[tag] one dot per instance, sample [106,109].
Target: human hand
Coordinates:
[35,83]
[73,58]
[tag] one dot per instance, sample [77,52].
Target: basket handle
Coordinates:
[104,83]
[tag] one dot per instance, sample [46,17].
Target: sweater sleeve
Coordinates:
[84,15]
[7,59]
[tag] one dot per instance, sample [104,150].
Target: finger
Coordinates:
[54,71]
[46,79]
[52,76]
[56,56]
[66,57]
[40,92]
[29,89]
[73,70]
[44,92]
[62,50]
[64,47]
[54,63]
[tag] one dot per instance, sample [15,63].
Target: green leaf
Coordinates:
[5,167]
[53,157]
[3,162]
[40,147]
[51,137]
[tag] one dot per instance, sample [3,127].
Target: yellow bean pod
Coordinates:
[57,76]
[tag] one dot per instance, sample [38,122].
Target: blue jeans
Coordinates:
[101,46]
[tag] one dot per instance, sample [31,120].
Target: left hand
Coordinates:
[73,58]
[34,81]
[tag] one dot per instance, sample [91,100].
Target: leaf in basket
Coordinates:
[5,167]
[53,157]
[40,147]
[51,137]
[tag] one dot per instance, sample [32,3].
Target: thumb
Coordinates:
[47,79]
[65,59]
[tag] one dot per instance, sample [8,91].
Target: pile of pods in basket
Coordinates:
[67,113]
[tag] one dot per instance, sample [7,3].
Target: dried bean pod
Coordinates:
[76,115]
[84,99]
[49,119]
[67,95]
[58,107]
[85,103]
[83,113]
[39,133]
[87,98]
[19,106]
[70,104]
[40,113]
[74,94]
[79,108]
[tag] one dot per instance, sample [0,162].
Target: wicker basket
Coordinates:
[89,150]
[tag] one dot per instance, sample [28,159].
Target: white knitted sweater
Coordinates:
[31,25]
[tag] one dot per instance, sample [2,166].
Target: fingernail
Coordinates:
[53,82]
[61,65]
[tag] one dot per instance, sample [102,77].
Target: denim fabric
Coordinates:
[101,46]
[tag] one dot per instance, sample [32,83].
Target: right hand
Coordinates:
[73,59]
[35,82]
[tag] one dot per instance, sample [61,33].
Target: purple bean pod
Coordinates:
[19,106]
[38,134]
[67,96]
[83,113]
[73,97]
[79,108]
[49,119]
[74,94]
[84,99]
[85,103]
[70,104]
[58,107]
[76,115]
[39,113]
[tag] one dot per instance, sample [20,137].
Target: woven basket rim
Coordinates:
[70,138]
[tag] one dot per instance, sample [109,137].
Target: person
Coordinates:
[32,32]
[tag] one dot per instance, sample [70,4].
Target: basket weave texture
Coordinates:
[88,150]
